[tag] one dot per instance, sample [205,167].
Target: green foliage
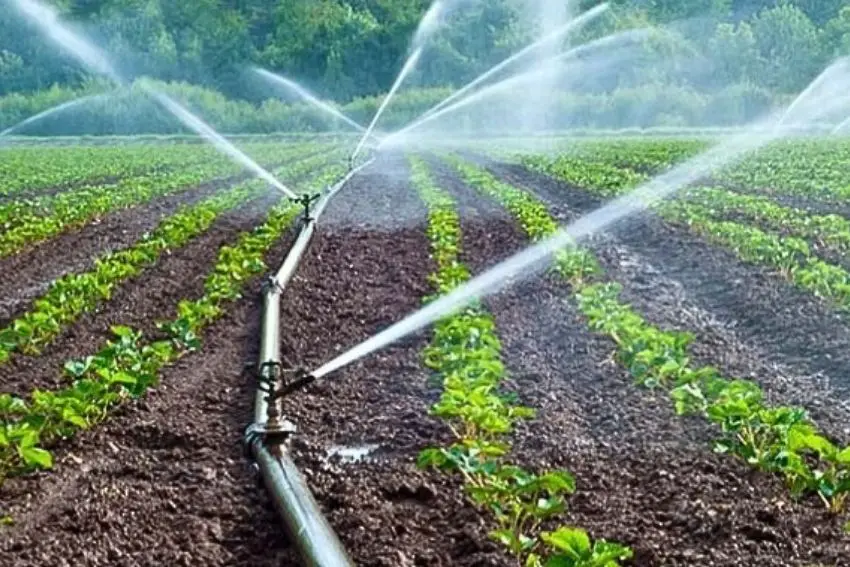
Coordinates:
[29,221]
[349,50]
[128,365]
[466,354]
[774,439]
[574,549]
[74,294]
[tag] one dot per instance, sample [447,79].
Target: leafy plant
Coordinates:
[127,366]
[775,439]
[466,353]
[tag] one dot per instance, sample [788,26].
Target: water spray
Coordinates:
[840,69]
[405,71]
[47,19]
[556,35]
[541,70]
[51,111]
[309,97]
[841,126]
[538,256]
[206,131]
[507,85]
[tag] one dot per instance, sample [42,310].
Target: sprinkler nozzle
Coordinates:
[306,200]
[300,379]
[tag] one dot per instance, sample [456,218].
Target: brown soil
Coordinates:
[645,476]
[749,321]
[140,302]
[27,274]
[165,482]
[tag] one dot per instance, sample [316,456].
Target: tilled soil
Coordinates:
[748,321]
[27,274]
[646,477]
[164,481]
[140,302]
[358,278]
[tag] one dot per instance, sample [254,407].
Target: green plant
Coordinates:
[466,353]
[127,366]
[573,548]
[778,439]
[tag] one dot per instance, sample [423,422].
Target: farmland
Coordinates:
[672,391]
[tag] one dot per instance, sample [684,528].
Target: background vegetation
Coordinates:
[739,58]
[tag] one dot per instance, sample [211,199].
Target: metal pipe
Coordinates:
[311,534]
[287,269]
[269,349]
[314,538]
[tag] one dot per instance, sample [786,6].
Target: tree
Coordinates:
[733,52]
[837,34]
[789,49]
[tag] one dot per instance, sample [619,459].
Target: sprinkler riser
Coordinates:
[266,438]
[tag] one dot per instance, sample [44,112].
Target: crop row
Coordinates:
[34,168]
[829,230]
[30,222]
[792,256]
[466,354]
[809,168]
[702,211]
[72,295]
[780,439]
[130,364]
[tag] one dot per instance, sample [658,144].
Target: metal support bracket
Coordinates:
[270,282]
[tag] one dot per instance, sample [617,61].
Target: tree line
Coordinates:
[752,52]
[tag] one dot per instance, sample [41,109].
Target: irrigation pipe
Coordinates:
[266,438]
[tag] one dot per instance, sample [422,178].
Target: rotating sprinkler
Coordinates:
[306,200]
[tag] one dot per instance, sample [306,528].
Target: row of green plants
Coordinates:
[34,168]
[72,295]
[808,167]
[790,255]
[465,352]
[702,210]
[776,439]
[641,154]
[607,180]
[34,221]
[129,364]
[830,230]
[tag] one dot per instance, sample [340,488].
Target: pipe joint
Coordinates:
[271,284]
[300,379]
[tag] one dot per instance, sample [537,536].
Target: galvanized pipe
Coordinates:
[314,538]
[311,534]
[269,348]
[287,269]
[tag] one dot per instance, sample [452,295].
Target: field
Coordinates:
[673,391]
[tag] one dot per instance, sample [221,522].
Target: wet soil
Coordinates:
[812,204]
[165,481]
[140,302]
[749,321]
[358,278]
[645,476]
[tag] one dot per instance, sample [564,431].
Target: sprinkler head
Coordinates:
[300,379]
[306,200]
